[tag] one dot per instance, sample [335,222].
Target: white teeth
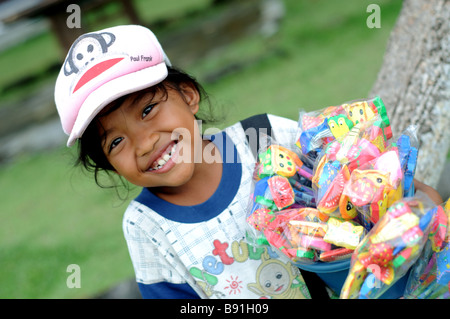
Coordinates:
[163,160]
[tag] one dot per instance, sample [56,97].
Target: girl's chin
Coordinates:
[172,176]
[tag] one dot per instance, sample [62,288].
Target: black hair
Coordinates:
[90,151]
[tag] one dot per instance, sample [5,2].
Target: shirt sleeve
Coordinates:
[159,273]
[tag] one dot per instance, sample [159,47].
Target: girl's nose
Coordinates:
[146,143]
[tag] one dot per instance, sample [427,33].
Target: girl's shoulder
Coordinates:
[284,130]
[282,123]
[247,133]
[277,123]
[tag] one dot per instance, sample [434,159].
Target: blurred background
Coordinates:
[254,56]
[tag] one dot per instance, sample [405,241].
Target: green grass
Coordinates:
[52,215]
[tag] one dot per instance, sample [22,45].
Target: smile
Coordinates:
[279,288]
[162,160]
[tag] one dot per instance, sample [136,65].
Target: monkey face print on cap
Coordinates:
[85,49]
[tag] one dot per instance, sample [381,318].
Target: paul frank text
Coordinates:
[141,57]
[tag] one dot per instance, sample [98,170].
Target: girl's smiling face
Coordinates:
[150,139]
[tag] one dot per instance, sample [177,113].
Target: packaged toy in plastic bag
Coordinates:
[376,184]
[306,235]
[283,211]
[283,230]
[282,179]
[299,205]
[326,238]
[281,187]
[341,139]
[430,275]
[339,158]
[408,151]
[318,128]
[390,249]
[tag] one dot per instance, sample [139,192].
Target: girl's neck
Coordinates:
[202,185]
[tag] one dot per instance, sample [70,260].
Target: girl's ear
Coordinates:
[191,96]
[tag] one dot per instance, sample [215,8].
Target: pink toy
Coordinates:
[315,243]
[390,163]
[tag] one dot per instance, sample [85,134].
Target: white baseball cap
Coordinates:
[103,66]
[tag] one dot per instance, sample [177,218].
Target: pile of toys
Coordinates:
[413,229]
[327,200]
[430,276]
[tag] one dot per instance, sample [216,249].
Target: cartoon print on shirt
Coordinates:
[235,285]
[206,282]
[274,278]
[278,281]
[212,268]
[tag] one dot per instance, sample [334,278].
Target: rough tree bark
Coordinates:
[414,81]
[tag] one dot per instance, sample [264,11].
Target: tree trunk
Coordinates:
[414,81]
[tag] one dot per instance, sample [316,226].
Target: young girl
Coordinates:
[135,115]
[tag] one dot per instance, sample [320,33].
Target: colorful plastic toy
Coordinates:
[369,187]
[329,180]
[430,275]
[443,266]
[408,151]
[374,186]
[354,150]
[389,250]
[336,254]
[321,127]
[278,160]
[343,233]
[339,125]
[274,193]
[289,229]
[359,112]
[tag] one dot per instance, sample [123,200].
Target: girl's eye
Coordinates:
[114,143]
[147,110]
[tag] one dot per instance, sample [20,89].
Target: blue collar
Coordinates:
[218,202]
